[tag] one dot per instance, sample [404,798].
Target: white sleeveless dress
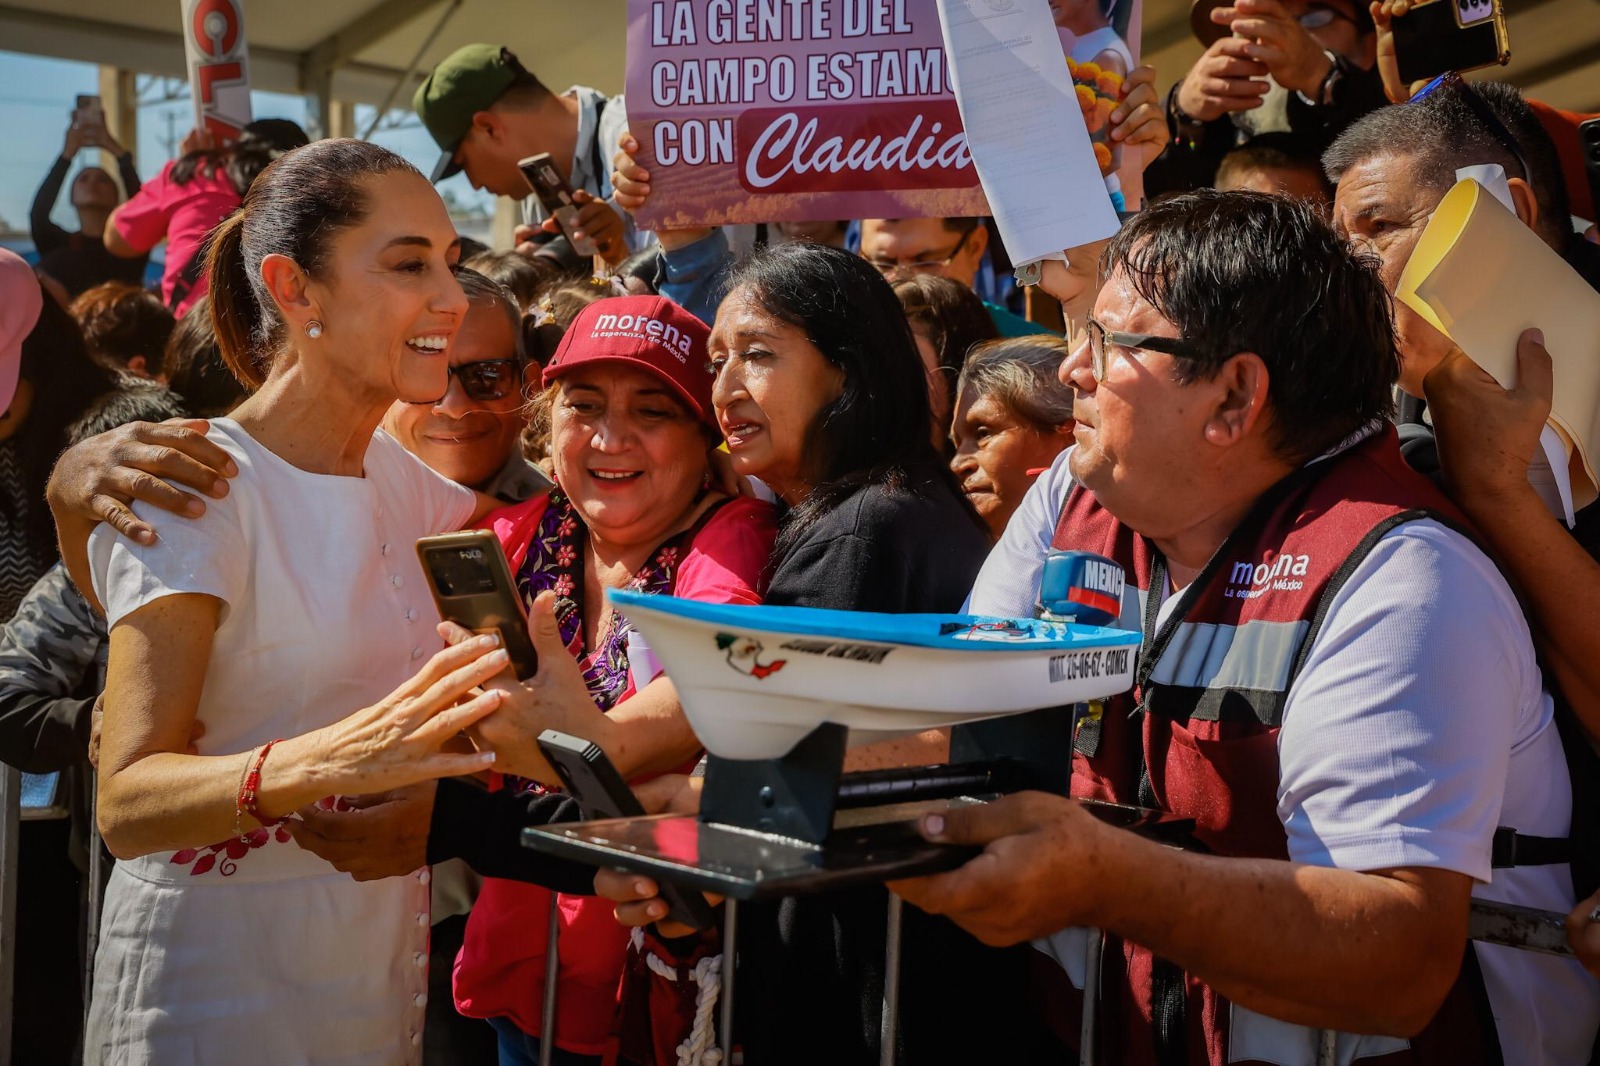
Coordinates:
[263,953]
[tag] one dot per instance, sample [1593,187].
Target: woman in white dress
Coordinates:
[295,608]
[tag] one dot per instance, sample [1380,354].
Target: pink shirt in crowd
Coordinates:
[184,215]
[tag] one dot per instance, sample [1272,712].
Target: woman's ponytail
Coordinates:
[235,313]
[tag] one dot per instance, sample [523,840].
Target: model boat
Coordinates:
[755,680]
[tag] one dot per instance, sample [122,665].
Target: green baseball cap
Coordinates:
[468,81]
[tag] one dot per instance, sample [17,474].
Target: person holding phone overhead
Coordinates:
[80,260]
[284,618]
[1302,66]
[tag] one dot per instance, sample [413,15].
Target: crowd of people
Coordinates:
[216,626]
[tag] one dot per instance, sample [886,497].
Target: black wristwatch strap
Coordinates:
[1330,81]
[1184,128]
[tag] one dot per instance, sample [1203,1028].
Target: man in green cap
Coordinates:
[487,112]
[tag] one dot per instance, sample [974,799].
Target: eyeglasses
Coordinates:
[1469,96]
[1100,338]
[1318,17]
[891,267]
[486,381]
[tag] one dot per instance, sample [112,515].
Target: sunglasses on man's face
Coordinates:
[487,381]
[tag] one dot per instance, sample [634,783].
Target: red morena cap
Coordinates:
[650,332]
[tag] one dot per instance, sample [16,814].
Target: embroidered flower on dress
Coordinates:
[563,585]
[230,851]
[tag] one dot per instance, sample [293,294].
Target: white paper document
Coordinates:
[1024,126]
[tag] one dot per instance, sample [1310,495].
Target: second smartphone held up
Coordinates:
[555,196]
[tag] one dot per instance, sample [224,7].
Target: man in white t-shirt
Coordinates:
[1336,685]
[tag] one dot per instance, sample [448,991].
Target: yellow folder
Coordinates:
[1481,277]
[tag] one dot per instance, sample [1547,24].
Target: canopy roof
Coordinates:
[357,51]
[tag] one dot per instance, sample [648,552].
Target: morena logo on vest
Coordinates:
[1247,581]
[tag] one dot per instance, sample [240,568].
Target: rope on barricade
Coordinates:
[700,1047]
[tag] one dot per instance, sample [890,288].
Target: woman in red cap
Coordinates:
[628,407]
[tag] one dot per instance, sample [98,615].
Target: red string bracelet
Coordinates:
[250,791]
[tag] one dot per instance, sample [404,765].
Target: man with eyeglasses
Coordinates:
[1336,685]
[472,434]
[947,247]
[1306,67]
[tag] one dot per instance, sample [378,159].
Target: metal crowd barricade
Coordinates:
[1523,928]
[23,798]
[10,822]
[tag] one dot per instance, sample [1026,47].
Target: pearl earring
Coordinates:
[313,329]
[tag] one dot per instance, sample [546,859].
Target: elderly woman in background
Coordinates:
[1013,417]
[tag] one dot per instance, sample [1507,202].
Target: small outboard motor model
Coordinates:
[1080,587]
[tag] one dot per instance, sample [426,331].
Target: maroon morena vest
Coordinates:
[1198,737]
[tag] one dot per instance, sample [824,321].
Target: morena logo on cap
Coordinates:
[643,327]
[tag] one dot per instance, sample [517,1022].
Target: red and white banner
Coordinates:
[219,65]
[804,110]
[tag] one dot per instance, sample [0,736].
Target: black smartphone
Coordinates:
[472,584]
[555,195]
[1440,35]
[589,776]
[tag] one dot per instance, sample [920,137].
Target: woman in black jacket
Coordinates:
[822,396]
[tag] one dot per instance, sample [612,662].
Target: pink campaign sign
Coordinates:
[802,110]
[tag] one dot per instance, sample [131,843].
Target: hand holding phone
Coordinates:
[472,586]
[1435,36]
[555,196]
